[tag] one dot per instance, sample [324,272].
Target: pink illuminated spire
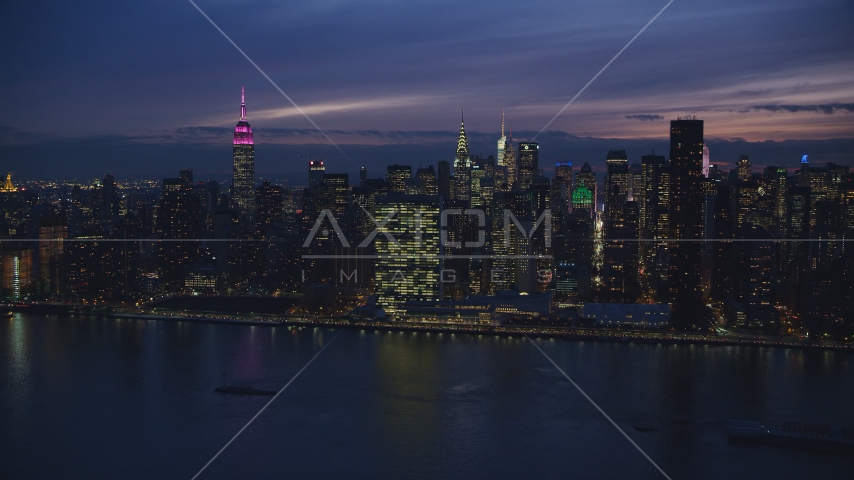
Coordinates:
[242,105]
[242,131]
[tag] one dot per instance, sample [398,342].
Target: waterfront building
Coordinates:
[502,308]
[686,221]
[17,269]
[407,266]
[656,315]
[52,234]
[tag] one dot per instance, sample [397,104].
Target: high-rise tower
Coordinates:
[705,161]
[744,168]
[529,163]
[462,167]
[686,219]
[407,269]
[316,171]
[584,194]
[243,181]
[502,147]
[616,183]
[510,158]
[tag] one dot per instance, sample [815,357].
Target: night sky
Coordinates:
[147,88]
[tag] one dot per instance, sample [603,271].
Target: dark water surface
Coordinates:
[94,397]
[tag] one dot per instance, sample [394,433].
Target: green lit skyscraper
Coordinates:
[584,194]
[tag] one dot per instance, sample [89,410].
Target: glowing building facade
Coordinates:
[462,167]
[529,163]
[407,265]
[705,161]
[316,171]
[243,180]
[686,222]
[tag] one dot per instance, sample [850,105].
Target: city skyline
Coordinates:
[636,259]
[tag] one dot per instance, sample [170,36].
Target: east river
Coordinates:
[96,397]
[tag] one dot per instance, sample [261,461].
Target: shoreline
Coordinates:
[564,333]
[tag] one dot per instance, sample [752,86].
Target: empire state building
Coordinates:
[243,181]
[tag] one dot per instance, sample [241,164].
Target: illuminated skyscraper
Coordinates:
[705,161]
[243,181]
[428,176]
[334,194]
[616,183]
[529,159]
[179,220]
[17,277]
[407,268]
[744,168]
[396,176]
[512,264]
[505,150]
[584,194]
[502,142]
[686,220]
[654,211]
[269,204]
[462,167]
[8,187]
[11,209]
[563,170]
[478,173]
[509,164]
[776,179]
[562,195]
[316,170]
[52,233]
[804,171]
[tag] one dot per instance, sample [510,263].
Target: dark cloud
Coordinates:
[645,117]
[828,108]
[11,135]
[126,67]
[755,92]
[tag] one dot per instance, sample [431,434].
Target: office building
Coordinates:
[243,179]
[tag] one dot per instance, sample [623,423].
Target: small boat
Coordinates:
[8,314]
[244,391]
[795,435]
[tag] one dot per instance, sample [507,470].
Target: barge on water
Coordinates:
[795,435]
[244,391]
